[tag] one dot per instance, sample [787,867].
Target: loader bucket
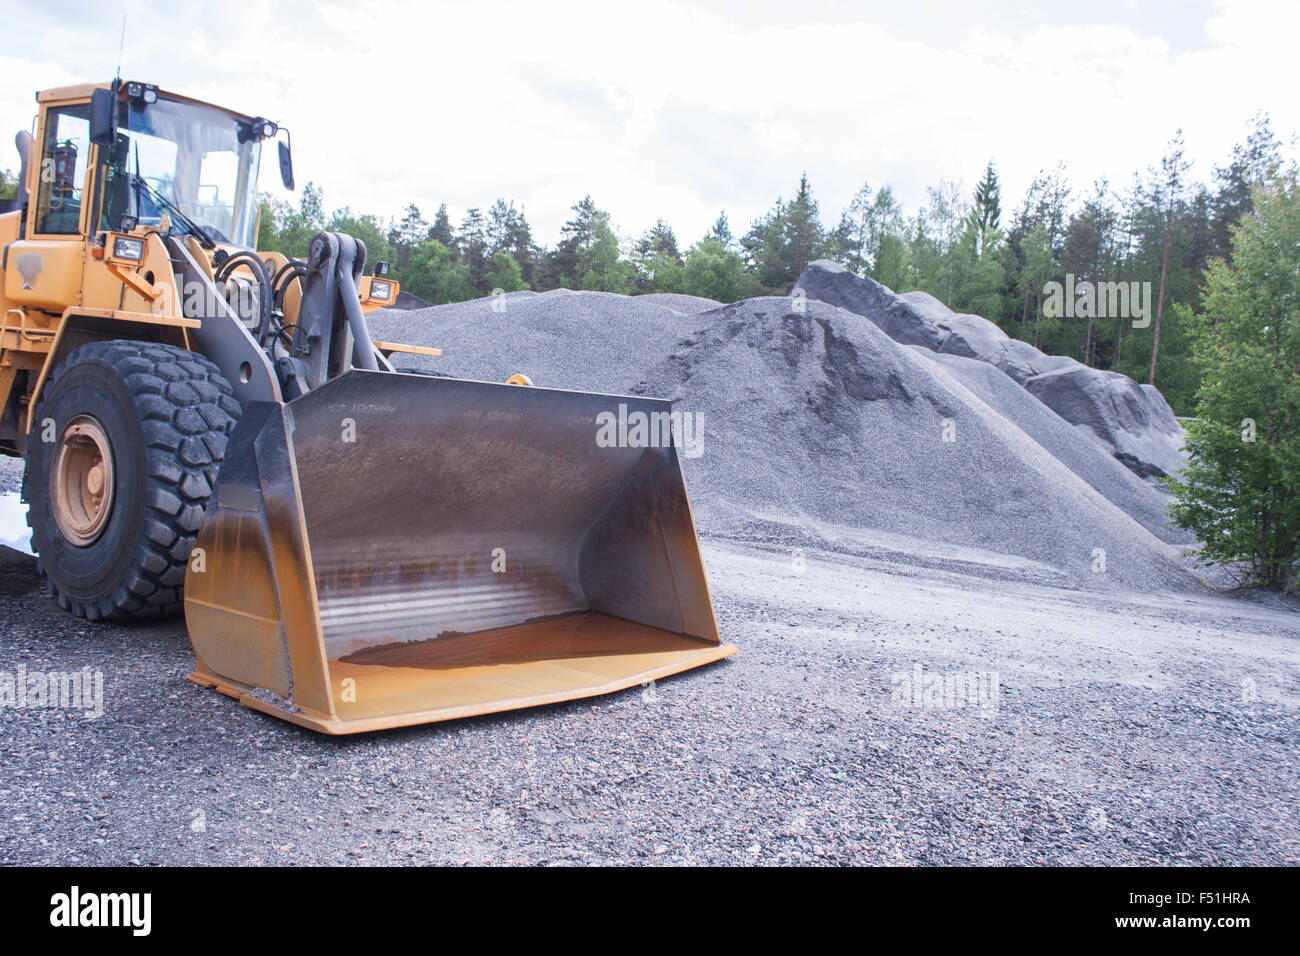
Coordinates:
[394,549]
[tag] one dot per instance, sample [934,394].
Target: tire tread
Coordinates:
[187,410]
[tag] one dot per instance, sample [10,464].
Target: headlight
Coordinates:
[381,290]
[127,248]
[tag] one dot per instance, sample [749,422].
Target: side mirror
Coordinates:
[103,117]
[286,165]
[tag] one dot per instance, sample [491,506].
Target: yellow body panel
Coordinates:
[45,274]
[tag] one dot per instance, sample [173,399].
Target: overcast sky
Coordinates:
[682,110]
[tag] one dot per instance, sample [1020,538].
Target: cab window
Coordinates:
[62,174]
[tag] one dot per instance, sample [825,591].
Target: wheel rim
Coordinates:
[82,481]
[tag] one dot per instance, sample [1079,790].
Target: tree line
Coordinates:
[969,249]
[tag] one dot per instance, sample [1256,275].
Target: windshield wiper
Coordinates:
[188,224]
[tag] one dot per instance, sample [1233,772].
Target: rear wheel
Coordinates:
[122,458]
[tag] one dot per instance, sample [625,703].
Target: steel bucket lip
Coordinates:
[335,725]
[366,373]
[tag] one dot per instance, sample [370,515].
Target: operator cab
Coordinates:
[159,158]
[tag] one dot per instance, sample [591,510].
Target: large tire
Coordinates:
[166,414]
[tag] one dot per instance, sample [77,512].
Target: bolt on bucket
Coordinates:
[394,549]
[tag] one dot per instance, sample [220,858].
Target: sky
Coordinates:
[679,110]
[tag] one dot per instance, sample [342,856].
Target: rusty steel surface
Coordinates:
[383,522]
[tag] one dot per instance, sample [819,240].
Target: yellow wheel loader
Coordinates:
[355,547]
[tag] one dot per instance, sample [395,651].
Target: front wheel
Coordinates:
[121,460]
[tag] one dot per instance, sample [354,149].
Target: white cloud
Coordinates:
[666,110]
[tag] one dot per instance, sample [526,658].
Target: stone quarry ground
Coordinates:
[1139,716]
[1127,728]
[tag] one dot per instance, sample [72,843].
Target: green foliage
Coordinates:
[441,228]
[369,229]
[721,231]
[588,256]
[505,274]
[657,261]
[713,271]
[8,184]
[781,244]
[1241,490]
[869,238]
[288,230]
[434,276]
[762,249]
[405,236]
[978,275]
[508,233]
[985,217]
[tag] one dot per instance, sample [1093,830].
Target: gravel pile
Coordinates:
[590,341]
[1135,421]
[819,427]
[816,418]
[685,304]
[1079,450]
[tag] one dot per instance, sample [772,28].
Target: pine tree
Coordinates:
[1167,189]
[472,248]
[986,213]
[441,228]
[1250,164]
[407,235]
[657,261]
[805,237]
[721,231]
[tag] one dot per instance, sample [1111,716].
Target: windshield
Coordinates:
[172,156]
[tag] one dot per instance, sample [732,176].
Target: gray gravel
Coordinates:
[592,341]
[1134,420]
[11,475]
[820,428]
[1138,718]
[678,302]
[1076,447]
[1123,734]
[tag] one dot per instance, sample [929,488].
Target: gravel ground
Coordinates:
[1127,728]
[11,475]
